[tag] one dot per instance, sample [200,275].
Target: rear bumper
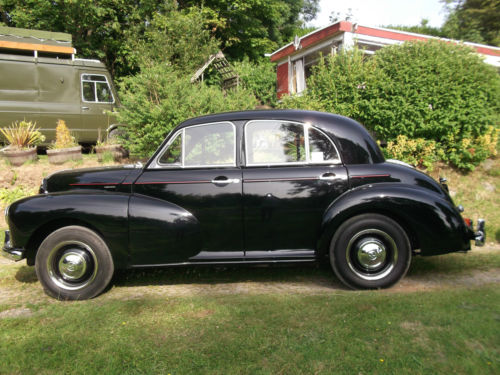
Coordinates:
[11,252]
[479,234]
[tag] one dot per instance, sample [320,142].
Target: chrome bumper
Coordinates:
[11,252]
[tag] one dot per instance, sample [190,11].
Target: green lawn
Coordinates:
[453,331]
[450,330]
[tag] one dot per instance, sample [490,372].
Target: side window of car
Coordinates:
[172,155]
[280,142]
[210,145]
[321,149]
[274,142]
[95,88]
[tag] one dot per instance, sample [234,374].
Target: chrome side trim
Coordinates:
[305,260]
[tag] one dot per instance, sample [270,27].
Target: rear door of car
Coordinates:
[197,179]
[292,173]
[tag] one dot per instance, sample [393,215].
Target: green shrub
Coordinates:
[417,152]
[436,91]
[259,78]
[159,98]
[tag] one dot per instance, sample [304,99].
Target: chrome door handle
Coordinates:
[220,181]
[327,176]
[85,108]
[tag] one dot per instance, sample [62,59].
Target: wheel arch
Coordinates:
[330,232]
[430,223]
[45,229]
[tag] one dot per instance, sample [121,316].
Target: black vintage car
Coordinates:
[240,188]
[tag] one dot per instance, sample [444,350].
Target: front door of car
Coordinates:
[194,193]
[293,172]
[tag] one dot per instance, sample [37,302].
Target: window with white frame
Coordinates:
[207,145]
[269,142]
[96,89]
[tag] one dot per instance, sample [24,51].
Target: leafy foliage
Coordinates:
[22,134]
[159,98]
[185,43]
[260,78]
[418,152]
[436,91]
[254,27]
[473,20]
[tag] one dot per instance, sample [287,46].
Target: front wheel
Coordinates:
[370,251]
[74,263]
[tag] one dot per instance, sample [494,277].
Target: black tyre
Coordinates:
[370,251]
[74,263]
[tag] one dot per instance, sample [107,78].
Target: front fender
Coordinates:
[432,223]
[32,219]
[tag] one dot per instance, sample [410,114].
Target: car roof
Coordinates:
[271,114]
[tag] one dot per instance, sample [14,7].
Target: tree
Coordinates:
[473,20]
[254,27]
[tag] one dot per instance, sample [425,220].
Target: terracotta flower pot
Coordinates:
[62,155]
[19,157]
[117,151]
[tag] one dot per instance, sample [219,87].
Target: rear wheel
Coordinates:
[74,263]
[370,251]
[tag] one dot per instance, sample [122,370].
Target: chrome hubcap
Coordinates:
[371,253]
[73,264]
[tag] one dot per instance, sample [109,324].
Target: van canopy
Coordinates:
[13,39]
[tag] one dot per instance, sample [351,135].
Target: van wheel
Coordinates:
[370,251]
[74,263]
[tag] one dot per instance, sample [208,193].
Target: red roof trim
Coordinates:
[394,35]
[312,39]
[344,26]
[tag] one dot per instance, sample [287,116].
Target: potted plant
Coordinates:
[109,147]
[65,146]
[22,137]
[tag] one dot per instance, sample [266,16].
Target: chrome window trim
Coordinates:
[95,88]
[305,126]
[335,161]
[158,165]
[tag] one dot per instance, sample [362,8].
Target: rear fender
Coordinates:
[432,223]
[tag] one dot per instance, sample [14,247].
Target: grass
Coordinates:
[352,332]
[449,330]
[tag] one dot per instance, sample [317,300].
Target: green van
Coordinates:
[44,82]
